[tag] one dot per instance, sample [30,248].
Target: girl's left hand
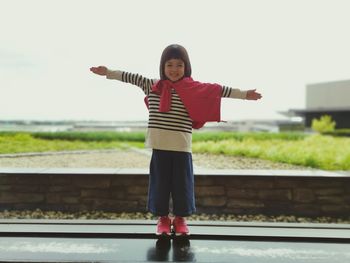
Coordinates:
[253,95]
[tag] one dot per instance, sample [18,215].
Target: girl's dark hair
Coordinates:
[175,52]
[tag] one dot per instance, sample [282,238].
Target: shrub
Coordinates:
[324,124]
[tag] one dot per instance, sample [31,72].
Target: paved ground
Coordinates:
[134,241]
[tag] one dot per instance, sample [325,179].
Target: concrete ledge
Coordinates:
[197,172]
[209,229]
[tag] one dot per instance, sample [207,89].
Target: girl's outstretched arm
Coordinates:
[228,92]
[100,70]
[144,83]
[253,95]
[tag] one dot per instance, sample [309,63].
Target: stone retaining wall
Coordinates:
[125,190]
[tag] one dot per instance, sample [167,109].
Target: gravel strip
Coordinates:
[135,158]
[221,161]
[84,159]
[94,215]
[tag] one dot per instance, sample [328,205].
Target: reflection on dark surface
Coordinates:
[28,249]
[181,250]
[161,251]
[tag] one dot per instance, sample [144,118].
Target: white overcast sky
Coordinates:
[275,46]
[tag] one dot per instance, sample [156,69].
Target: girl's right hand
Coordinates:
[100,70]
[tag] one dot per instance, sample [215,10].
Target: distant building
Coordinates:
[329,98]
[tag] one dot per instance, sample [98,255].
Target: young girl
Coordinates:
[176,104]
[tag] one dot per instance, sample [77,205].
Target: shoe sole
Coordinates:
[182,234]
[163,234]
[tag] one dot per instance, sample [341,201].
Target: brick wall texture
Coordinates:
[269,195]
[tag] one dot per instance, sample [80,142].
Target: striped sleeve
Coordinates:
[144,83]
[228,92]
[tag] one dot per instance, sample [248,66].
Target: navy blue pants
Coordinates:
[171,173]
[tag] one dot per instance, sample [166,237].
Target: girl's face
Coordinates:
[174,69]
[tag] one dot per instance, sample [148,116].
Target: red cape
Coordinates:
[202,100]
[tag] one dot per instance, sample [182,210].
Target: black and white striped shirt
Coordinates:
[170,130]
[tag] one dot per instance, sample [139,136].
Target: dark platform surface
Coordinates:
[134,241]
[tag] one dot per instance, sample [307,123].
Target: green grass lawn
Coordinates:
[26,142]
[317,151]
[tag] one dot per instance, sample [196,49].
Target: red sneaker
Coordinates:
[164,226]
[180,226]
